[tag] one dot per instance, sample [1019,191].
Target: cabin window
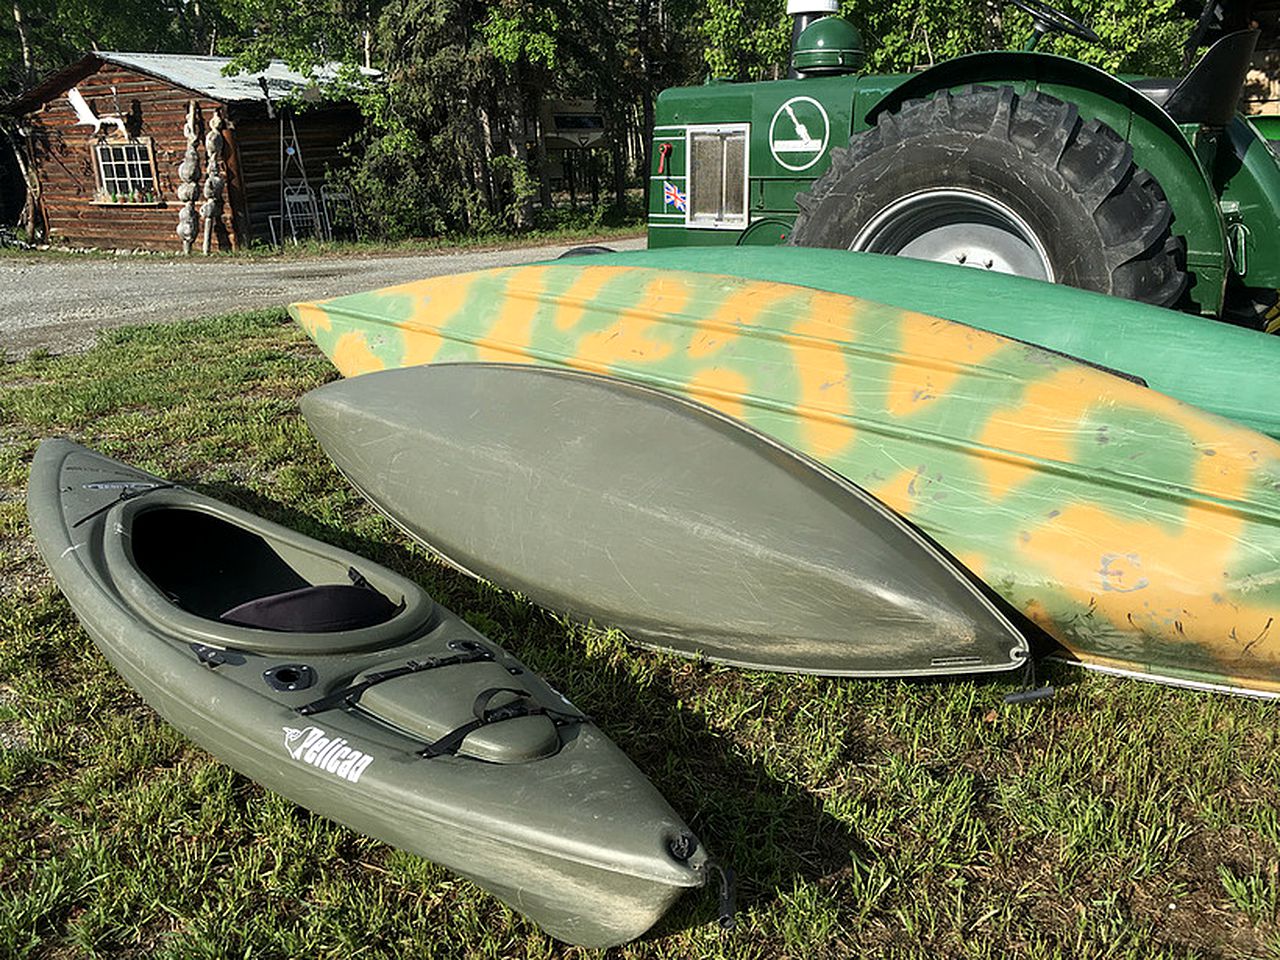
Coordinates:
[126,172]
[718,176]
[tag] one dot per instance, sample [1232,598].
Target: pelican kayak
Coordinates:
[1141,532]
[346,688]
[628,506]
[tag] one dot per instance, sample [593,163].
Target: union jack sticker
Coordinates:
[672,197]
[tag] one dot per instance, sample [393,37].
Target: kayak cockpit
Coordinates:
[229,579]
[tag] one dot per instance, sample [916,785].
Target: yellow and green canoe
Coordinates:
[1141,532]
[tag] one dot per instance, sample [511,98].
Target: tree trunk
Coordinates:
[520,152]
[544,172]
[484,174]
[619,174]
[28,67]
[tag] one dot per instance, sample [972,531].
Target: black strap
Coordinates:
[523,706]
[728,901]
[347,696]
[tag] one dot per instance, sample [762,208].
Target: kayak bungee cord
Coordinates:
[347,696]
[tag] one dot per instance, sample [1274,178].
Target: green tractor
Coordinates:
[1021,162]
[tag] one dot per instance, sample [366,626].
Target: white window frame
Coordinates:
[144,144]
[742,222]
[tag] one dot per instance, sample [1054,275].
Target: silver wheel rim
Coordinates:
[957,226]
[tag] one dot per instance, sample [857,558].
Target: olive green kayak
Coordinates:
[628,506]
[346,688]
[1140,532]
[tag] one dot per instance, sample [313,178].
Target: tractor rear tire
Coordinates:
[1012,182]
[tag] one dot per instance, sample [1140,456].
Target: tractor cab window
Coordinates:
[718,176]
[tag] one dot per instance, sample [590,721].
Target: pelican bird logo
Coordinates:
[295,741]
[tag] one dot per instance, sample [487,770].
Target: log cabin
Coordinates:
[106,139]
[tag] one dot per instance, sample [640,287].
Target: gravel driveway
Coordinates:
[60,303]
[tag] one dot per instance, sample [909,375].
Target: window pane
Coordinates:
[125,169]
[735,146]
[704,177]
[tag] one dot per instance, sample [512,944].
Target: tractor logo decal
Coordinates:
[798,133]
[672,197]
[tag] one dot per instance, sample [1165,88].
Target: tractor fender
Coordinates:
[1159,145]
[1249,174]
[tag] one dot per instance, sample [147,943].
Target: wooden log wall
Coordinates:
[66,164]
[321,134]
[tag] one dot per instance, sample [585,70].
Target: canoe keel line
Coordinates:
[344,687]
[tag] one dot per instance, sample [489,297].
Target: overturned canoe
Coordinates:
[1228,370]
[634,508]
[1140,532]
[1224,369]
[344,687]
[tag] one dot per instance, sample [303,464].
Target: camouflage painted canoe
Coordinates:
[1228,370]
[1142,533]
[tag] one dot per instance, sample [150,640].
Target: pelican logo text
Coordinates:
[331,754]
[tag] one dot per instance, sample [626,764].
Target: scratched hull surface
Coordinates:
[634,508]
[1139,531]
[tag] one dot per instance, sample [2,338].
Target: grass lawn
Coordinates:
[896,819]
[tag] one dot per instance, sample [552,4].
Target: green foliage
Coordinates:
[300,32]
[516,31]
[904,34]
[58,31]
[1138,36]
[745,39]
[750,39]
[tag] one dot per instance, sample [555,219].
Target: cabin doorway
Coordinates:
[13,194]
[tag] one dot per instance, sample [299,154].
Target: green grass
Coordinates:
[893,819]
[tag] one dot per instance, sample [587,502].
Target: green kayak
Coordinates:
[346,688]
[628,506]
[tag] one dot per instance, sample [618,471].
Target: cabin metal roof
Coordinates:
[201,75]
[204,74]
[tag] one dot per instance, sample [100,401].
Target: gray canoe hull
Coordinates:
[585,854]
[633,508]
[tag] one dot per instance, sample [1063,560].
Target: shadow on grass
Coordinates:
[775,834]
